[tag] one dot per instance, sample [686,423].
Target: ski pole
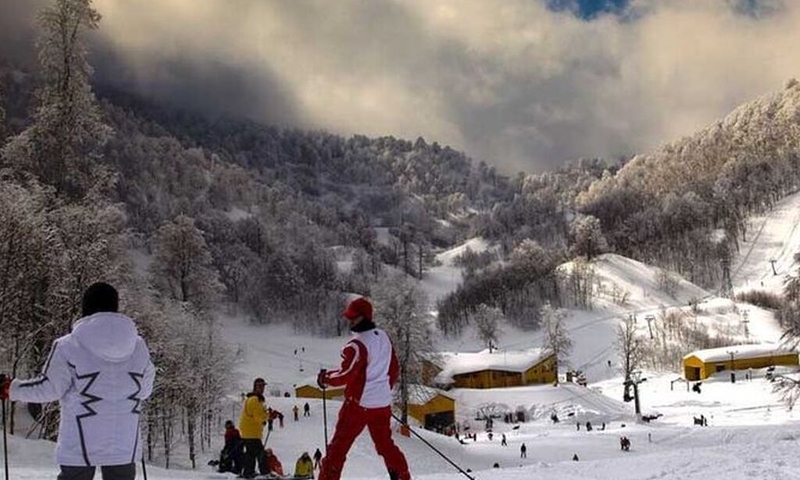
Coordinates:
[433,448]
[144,469]
[324,414]
[5,440]
[266,439]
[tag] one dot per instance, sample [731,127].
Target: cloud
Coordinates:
[17,24]
[514,83]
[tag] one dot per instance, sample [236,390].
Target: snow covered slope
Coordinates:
[773,236]
[750,434]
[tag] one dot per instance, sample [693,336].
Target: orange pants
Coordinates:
[352,420]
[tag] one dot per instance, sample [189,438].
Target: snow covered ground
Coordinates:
[751,435]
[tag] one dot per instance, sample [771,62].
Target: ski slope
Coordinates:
[772,236]
[751,434]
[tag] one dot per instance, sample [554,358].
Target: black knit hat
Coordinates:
[99,297]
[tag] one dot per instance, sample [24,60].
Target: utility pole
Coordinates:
[733,365]
[745,321]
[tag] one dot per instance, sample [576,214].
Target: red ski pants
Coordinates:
[352,420]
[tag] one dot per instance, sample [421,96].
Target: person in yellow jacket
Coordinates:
[251,429]
[304,468]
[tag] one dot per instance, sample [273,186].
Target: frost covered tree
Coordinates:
[2,118]
[63,144]
[580,281]
[182,268]
[487,323]
[587,237]
[556,336]
[194,372]
[401,310]
[788,386]
[28,244]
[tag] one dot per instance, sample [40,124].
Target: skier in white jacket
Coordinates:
[100,373]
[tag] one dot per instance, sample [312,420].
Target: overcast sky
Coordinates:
[522,84]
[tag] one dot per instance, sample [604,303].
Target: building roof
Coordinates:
[312,382]
[722,354]
[420,394]
[518,361]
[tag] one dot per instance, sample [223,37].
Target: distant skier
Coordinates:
[369,371]
[279,416]
[99,373]
[296,413]
[306,410]
[575,457]
[503,441]
[317,457]
[523,451]
[624,444]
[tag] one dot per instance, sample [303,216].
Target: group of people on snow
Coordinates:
[368,373]
[232,458]
[105,357]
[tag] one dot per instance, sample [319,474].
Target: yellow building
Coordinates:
[701,364]
[498,369]
[313,391]
[431,408]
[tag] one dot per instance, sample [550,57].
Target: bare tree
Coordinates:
[631,350]
[487,321]
[556,337]
[401,309]
[182,266]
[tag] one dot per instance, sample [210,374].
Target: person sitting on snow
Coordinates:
[229,458]
[304,468]
[273,464]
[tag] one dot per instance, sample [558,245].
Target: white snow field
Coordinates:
[750,433]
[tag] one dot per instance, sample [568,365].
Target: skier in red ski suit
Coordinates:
[369,371]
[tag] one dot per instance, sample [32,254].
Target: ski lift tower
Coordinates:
[634,381]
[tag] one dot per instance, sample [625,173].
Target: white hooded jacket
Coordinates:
[100,373]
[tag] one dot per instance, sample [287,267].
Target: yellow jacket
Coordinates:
[304,468]
[254,415]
